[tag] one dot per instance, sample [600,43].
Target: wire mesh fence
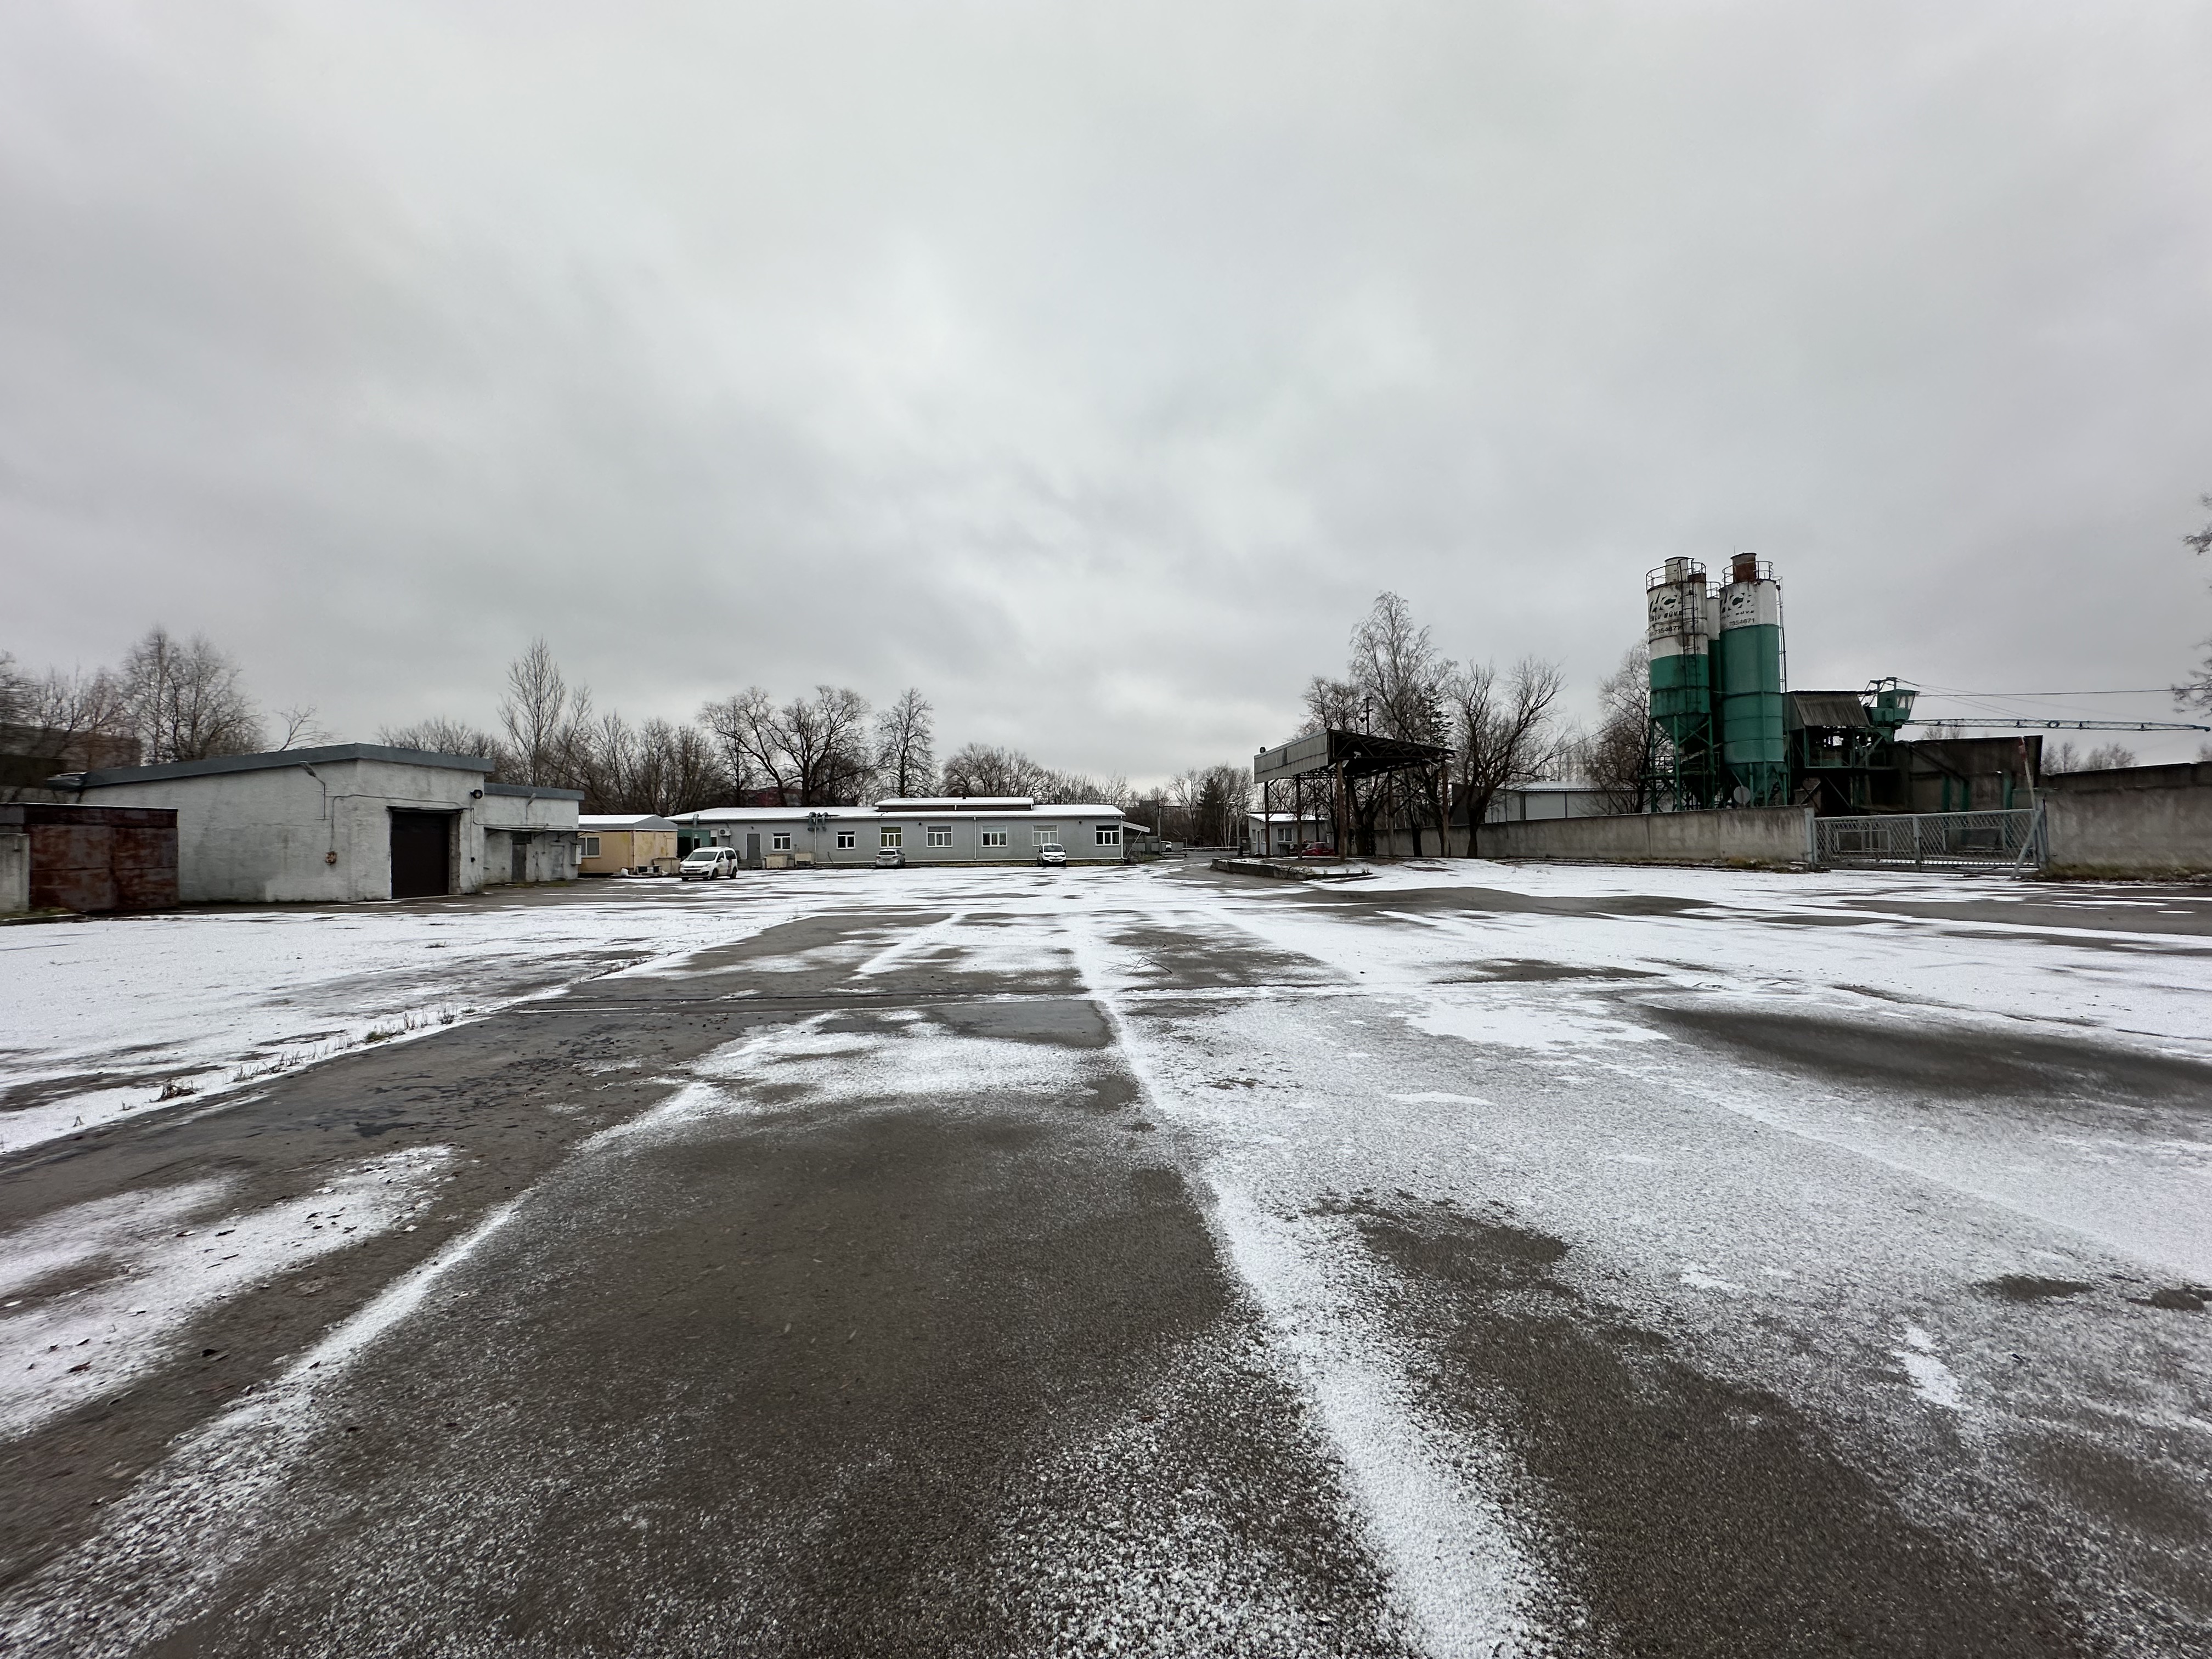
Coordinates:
[2010,839]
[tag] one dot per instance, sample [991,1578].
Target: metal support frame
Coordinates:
[1360,770]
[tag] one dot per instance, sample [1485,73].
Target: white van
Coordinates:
[705,863]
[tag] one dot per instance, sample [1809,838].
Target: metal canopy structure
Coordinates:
[1356,774]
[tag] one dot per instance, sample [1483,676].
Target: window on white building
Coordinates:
[781,841]
[847,839]
[940,834]
[1045,834]
[994,838]
[894,837]
[1110,835]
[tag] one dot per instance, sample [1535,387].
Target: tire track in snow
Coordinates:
[1464,1581]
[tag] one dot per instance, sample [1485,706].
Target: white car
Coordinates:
[1050,855]
[705,863]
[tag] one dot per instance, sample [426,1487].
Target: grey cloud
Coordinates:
[1094,367]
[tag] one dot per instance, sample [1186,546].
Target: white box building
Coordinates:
[958,830]
[346,821]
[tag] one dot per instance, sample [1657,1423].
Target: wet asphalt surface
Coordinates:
[860,1288]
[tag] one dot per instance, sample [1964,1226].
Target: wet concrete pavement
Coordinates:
[1134,1264]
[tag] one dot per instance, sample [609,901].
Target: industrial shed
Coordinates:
[344,822]
[959,830]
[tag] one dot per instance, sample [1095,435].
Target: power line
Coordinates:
[2134,692]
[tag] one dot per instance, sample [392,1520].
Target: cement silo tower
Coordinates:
[1680,627]
[1748,686]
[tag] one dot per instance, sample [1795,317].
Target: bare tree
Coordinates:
[59,722]
[680,769]
[1397,674]
[185,701]
[545,720]
[906,737]
[445,737]
[2196,691]
[978,769]
[302,728]
[1504,730]
[825,740]
[744,725]
[811,751]
[2064,758]
[1331,706]
[1616,758]
[1213,801]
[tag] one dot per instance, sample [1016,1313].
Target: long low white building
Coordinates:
[346,821]
[964,830]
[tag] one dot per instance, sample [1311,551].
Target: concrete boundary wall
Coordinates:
[1755,834]
[2128,831]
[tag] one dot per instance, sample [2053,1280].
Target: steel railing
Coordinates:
[2008,839]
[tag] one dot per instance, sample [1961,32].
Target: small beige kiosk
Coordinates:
[620,844]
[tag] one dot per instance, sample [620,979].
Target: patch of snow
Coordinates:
[219,999]
[1466,1583]
[1932,1380]
[64,1350]
[1701,1279]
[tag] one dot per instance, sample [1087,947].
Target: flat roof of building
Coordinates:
[926,809]
[325,755]
[962,803]
[622,821]
[533,791]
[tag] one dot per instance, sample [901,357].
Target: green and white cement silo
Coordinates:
[1678,633]
[1748,686]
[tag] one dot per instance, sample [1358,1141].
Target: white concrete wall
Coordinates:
[548,828]
[280,834]
[15,872]
[1764,834]
[2134,832]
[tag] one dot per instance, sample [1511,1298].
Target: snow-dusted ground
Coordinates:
[1547,1043]
[102,1015]
[140,1276]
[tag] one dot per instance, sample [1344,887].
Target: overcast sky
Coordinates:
[1092,366]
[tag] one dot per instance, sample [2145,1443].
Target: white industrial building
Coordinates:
[345,822]
[957,830]
[1523,803]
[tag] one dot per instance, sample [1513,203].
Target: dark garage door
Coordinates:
[419,843]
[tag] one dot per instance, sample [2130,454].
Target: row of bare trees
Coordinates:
[829,748]
[170,699]
[174,699]
[1205,807]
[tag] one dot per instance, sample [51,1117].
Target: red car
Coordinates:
[1315,850]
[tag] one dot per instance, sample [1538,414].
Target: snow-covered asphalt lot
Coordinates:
[1472,1261]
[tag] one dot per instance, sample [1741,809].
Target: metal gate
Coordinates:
[1932,841]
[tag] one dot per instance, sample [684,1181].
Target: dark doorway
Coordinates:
[420,856]
[518,864]
[752,852]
